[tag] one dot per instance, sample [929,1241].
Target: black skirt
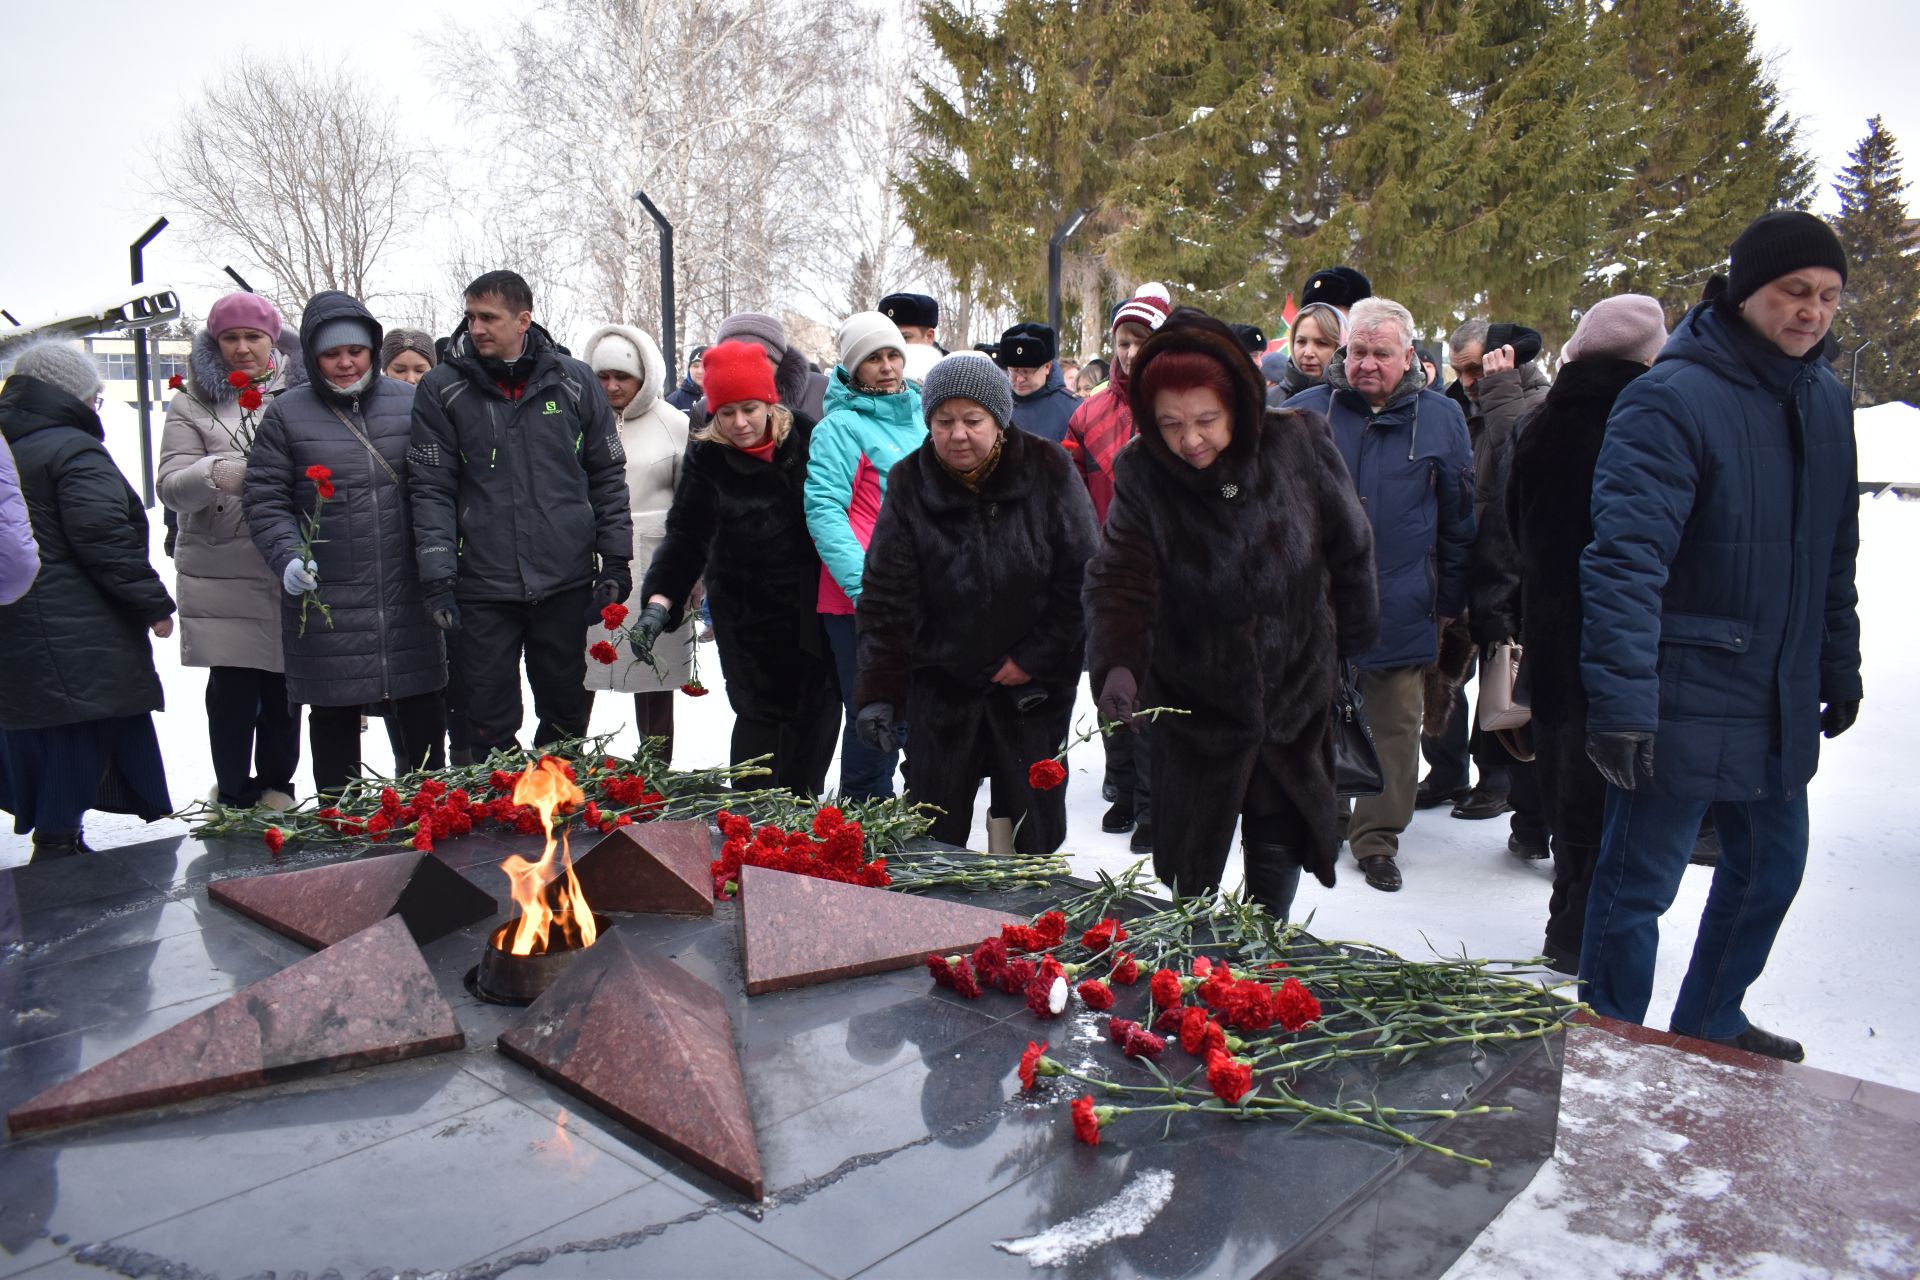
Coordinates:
[50,777]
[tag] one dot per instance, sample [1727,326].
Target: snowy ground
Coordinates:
[1842,974]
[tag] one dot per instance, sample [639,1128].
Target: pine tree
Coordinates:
[1880,314]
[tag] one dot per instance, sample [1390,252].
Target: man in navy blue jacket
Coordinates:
[1721,638]
[1406,448]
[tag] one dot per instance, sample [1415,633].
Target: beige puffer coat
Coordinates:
[654,435]
[229,599]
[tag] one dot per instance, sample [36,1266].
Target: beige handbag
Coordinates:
[1504,701]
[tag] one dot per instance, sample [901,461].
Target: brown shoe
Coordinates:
[1381,872]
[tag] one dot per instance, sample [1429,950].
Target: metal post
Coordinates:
[9,315]
[140,366]
[1058,238]
[666,287]
[1853,373]
[239,280]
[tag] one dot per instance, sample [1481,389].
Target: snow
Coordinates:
[1127,1214]
[1888,439]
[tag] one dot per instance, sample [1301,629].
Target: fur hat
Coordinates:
[1630,326]
[244,311]
[61,364]
[614,352]
[965,375]
[738,370]
[865,332]
[1148,307]
[1336,286]
[1252,337]
[1025,346]
[1775,244]
[757,326]
[911,308]
[414,340]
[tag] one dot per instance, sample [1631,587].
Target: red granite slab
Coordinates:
[798,930]
[638,1037]
[650,866]
[322,905]
[366,1000]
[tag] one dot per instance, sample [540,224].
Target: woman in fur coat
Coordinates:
[229,599]
[1236,573]
[970,615]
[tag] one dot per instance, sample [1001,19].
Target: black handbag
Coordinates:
[1356,765]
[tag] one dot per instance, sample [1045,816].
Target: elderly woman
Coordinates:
[344,437]
[653,433]
[76,723]
[993,528]
[1237,556]
[229,600]
[737,519]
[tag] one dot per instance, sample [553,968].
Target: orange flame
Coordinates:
[568,922]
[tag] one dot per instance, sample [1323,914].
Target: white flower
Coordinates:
[1057,995]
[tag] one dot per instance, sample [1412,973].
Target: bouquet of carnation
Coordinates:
[250,401]
[310,538]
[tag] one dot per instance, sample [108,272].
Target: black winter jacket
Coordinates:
[381,643]
[1504,403]
[76,645]
[512,498]
[739,523]
[1046,412]
[1010,560]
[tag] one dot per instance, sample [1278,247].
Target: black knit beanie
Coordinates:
[1777,243]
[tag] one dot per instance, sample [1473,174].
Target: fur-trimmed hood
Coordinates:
[207,369]
[653,365]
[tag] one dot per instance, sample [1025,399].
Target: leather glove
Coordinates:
[1119,697]
[646,629]
[1838,717]
[1622,758]
[614,584]
[874,725]
[300,576]
[441,606]
[229,476]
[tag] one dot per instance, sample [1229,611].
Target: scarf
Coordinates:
[978,476]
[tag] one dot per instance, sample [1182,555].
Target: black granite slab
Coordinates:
[894,1139]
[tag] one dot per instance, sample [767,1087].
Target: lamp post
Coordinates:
[1058,238]
[666,284]
[141,368]
[240,280]
[1853,371]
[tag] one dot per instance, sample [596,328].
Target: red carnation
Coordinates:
[1229,1078]
[1086,1125]
[603,652]
[613,615]
[1294,1006]
[1202,966]
[274,838]
[175,382]
[251,399]
[1052,928]
[1030,1061]
[1165,988]
[1040,994]
[1017,976]
[423,838]
[941,970]
[1127,972]
[827,820]
[963,979]
[1250,1006]
[237,379]
[694,689]
[1097,994]
[1135,1040]
[1103,935]
[1200,1034]
[1045,775]
[592,814]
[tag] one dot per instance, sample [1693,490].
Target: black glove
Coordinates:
[874,725]
[1838,717]
[441,606]
[1119,697]
[646,629]
[1622,758]
[614,584]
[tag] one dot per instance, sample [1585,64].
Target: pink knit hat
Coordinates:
[243,311]
[1149,307]
[1628,326]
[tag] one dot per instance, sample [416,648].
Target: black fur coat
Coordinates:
[1231,593]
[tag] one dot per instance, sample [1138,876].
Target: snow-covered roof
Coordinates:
[1888,439]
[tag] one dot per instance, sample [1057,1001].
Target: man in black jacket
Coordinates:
[520,514]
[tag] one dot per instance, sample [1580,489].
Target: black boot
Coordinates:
[1119,818]
[1765,1043]
[1273,877]
[1142,841]
[51,845]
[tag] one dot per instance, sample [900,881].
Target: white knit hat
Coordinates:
[865,332]
[61,364]
[614,352]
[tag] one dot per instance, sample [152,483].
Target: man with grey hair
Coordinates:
[1407,451]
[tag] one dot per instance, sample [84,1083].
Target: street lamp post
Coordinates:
[666,284]
[1058,238]
[1853,372]
[240,280]
[141,368]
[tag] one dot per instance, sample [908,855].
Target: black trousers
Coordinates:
[335,735]
[1128,754]
[552,634]
[253,733]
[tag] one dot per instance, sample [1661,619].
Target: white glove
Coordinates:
[229,475]
[299,578]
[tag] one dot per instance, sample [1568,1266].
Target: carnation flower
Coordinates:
[1096,994]
[1103,935]
[1231,1079]
[176,382]
[603,652]
[1294,1006]
[1052,928]
[1045,775]
[1087,1120]
[275,838]
[612,616]
[694,689]
[237,379]
[1127,972]
[1165,988]
[1034,1063]
[251,399]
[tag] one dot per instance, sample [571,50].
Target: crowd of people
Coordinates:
[918,555]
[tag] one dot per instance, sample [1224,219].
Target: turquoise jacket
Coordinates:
[855,445]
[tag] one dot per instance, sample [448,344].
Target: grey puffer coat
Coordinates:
[381,643]
[229,602]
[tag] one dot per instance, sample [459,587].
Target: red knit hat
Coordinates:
[738,371]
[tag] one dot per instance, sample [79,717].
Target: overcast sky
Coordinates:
[87,86]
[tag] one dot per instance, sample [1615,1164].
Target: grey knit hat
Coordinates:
[61,364]
[971,375]
[343,331]
[414,340]
[755,325]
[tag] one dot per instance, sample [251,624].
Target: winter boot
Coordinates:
[1119,818]
[51,845]
[1142,841]
[1273,877]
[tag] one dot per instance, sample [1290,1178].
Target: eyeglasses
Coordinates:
[99,402]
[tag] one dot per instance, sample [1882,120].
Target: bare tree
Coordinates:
[296,169]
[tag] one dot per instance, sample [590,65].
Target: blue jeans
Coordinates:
[865,774]
[1644,845]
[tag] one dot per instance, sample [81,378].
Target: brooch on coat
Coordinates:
[1229,490]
